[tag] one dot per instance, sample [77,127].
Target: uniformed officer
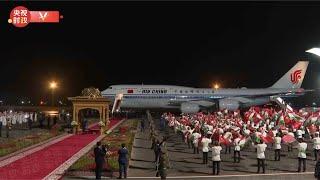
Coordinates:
[163,165]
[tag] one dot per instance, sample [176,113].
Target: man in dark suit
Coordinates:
[123,161]
[99,154]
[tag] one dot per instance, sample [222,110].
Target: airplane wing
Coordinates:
[204,103]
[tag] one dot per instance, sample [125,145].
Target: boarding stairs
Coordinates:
[281,103]
[117,102]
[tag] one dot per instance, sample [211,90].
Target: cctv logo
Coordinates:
[295,76]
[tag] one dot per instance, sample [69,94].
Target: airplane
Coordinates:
[191,100]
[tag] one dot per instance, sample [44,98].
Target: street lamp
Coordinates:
[315,51]
[52,86]
[216,86]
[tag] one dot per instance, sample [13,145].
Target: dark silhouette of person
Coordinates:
[55,119]
[317,169]
[29,123]
[157,150]
[123,161]
[142,125]
[99,154]
[84,125]
[48,122]
[41,119]
[0,128]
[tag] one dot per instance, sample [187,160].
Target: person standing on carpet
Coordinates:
[123,161]
[99,154]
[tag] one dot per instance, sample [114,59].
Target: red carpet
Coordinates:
[41,163]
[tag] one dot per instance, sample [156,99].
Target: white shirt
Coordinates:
[302,147]
[291,134]
[260,151]
[216,153]
[236,144]
[205,144]
[4,121]
[190,133]
[299,133]
[277,143]
[196,137]
[316,143]
[275,132]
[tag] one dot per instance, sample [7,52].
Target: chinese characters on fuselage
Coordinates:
[154,91]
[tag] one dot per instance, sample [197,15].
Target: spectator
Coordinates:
[302,147]
[196,136]
[48,122]
[41,119]
[261,147]
[216,149]
[0,128]
[317,170]
[55,119]
[236,153]
[277,147]
[29,123]
[316,145]
[205,149]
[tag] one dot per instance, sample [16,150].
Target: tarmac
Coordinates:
[186,165]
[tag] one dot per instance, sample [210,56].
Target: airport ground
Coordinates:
[186,165]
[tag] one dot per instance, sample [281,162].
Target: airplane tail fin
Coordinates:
[294,77]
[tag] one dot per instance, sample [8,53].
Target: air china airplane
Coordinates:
[190,100]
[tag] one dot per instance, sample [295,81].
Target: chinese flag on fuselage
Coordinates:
[130,91]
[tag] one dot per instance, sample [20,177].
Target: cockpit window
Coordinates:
[110,87]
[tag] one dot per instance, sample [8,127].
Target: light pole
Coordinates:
[52,86]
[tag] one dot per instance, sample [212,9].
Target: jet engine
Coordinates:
[189,108]
[228,104]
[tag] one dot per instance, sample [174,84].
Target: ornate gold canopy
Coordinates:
[91,99]
[91,92]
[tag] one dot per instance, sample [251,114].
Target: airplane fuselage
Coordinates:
[166,96]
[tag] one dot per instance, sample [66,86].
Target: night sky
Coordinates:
[97,44]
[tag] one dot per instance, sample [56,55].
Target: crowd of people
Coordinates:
[27,120]
[257,127]
[8,119]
